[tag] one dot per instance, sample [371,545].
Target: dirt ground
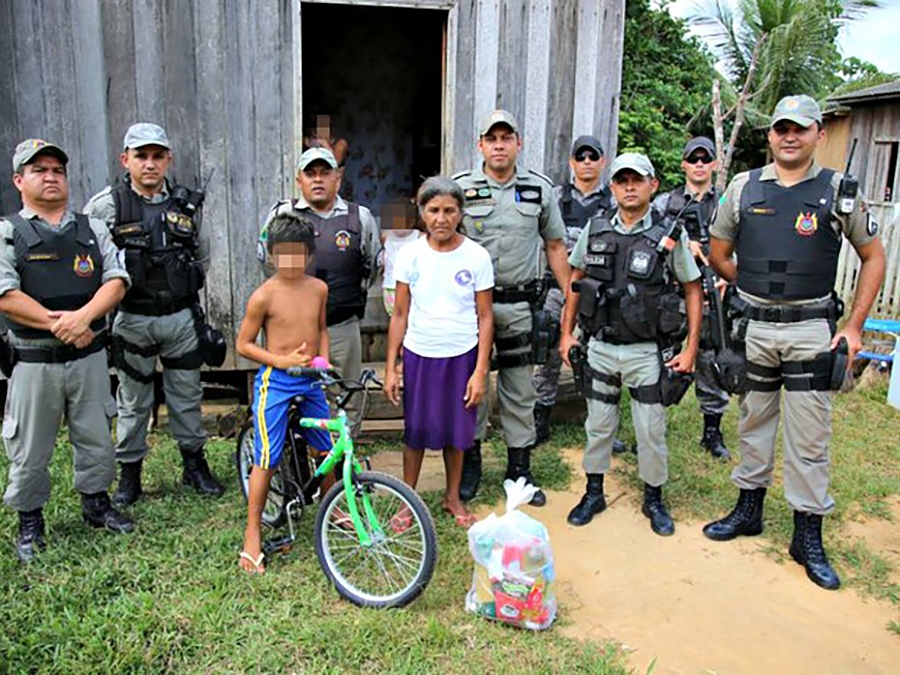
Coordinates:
[690,606]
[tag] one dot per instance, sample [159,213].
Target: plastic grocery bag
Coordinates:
[514,577]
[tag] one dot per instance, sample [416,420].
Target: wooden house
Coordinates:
[871,118]
[233,82]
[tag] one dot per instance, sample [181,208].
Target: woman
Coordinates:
[444,318]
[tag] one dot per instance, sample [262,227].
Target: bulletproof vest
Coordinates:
[61,270]
[576,215]
[160,245]
[633,280]
[339,262]
[787,248]
[697,217]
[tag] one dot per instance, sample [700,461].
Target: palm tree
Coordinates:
[769,49]
[799,53]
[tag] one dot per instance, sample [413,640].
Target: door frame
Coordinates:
[448,67]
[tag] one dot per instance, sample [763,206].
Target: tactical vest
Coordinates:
[698,215]
[340,263]
[787,248]
[160,245]
[576,215]
[633,297]
[61,270]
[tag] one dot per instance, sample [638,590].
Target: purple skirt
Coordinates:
[435,415]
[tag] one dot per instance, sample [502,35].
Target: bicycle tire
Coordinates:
[332,539]
[274,513]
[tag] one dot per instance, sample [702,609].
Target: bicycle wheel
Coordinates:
[397,567]
[274,514]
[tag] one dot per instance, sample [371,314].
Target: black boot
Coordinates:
[542,422]
[128,491]
[620,447]
[197,474]
[806,548]
[655,510]
[712,437]
[471,473]
[518,465]
[97,511]
[592,503]
[746,518]
[30,540]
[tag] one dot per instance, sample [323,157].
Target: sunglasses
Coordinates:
[705,159]
[581,155]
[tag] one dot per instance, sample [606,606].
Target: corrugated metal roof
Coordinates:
[888,90]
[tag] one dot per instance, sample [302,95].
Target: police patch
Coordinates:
[342,240]
[807,224]
[478,225]
[640,262]
[484,192]
[471,192]
[871,225]
[84,265]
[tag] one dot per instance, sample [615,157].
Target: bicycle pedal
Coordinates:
[278,544]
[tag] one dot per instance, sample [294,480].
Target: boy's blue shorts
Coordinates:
[273,391]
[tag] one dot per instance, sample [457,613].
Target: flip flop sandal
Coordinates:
[256,562]
[464,520]
[401,522]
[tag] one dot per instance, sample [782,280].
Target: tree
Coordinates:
[666,78]
[770,49]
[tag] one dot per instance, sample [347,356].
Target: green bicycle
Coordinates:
[374,536]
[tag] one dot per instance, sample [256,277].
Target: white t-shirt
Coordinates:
[394,240]
[443,320]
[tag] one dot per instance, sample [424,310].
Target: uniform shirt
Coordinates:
[497,218]
[708,202]
[443,317]
[680,260]
[113,265]
[370,241]
[857,227]
[103,207]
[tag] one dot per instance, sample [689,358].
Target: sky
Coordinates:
[872,38]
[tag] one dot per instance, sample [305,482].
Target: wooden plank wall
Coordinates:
[217,75]
[555,64]
[870,123]
[223,77]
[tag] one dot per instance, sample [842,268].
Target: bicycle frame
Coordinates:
[343,449]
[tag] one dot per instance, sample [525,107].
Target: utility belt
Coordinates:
[544,335]
[825,372]
[211,350]
[667,391]
[338,315]
[155,308]
[13,354]
[531,292]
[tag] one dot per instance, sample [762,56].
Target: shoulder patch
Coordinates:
[542,176]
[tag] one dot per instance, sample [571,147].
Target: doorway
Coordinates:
[376,74]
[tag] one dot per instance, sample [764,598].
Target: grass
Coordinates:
[865,476]
[170,599]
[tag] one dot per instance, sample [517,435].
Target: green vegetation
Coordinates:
[170,599]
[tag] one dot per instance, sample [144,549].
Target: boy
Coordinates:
[290,308]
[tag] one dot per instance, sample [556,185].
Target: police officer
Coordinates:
[59,277]
[347,244]
[785,222]
[509,210]
[578,202]
[695,202]
[622,287]
[159,233]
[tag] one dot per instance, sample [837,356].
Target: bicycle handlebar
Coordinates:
[329,376]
